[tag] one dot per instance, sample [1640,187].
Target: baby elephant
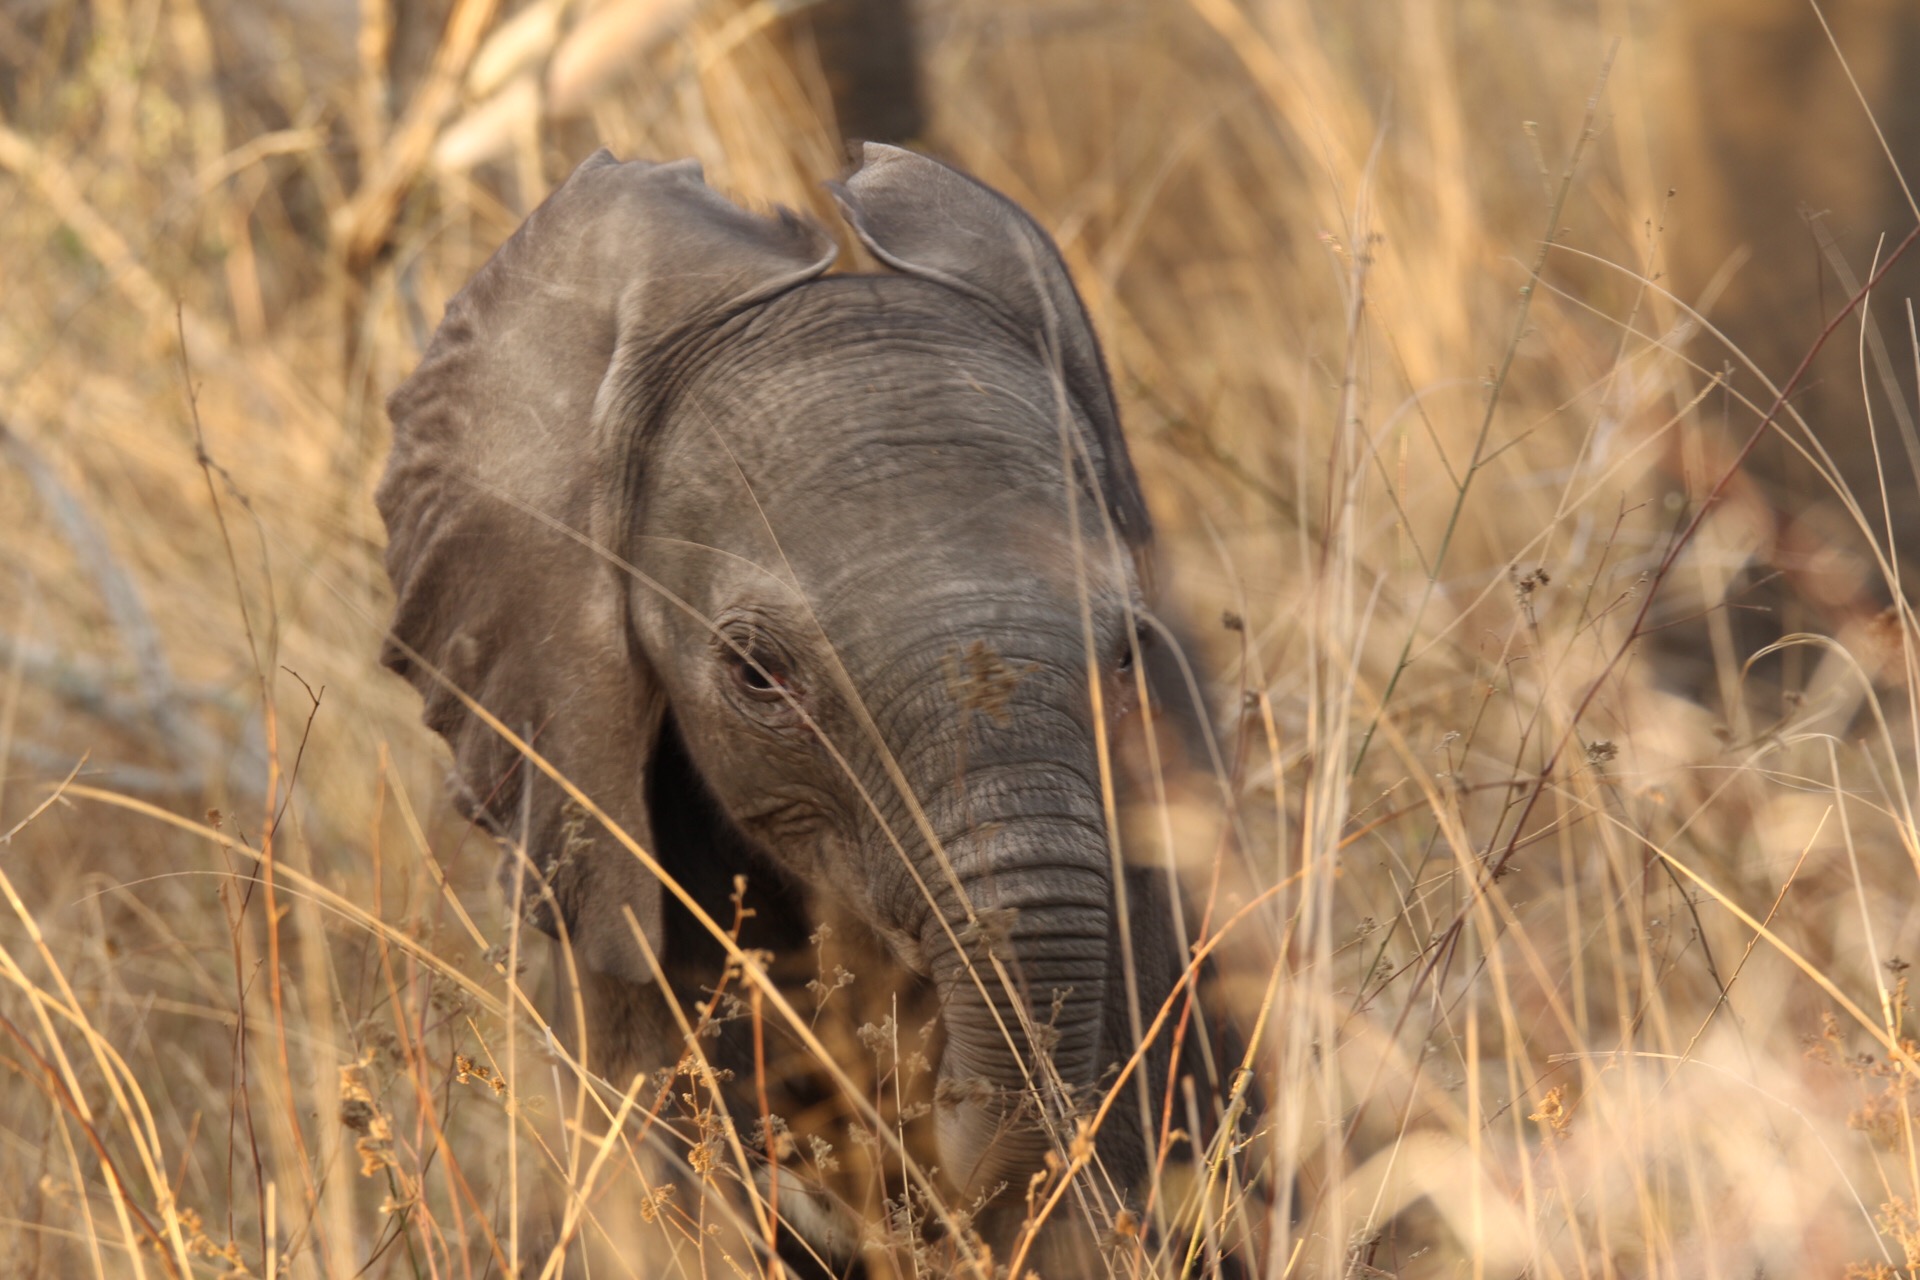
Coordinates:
[832,580]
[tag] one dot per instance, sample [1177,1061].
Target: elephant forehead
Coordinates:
[888,408]
[935,537]
[990,565]
[853,384]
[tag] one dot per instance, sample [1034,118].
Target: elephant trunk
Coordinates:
[1041,895]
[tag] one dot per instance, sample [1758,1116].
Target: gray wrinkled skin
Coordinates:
[694,516]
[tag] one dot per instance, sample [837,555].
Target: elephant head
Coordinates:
[860,551]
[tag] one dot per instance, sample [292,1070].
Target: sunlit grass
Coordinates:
[1565,928]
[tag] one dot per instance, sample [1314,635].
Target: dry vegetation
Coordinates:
[1569,930]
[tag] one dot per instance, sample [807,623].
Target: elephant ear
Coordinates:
[925,219]
[506,489]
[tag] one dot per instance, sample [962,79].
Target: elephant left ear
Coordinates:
[925,219]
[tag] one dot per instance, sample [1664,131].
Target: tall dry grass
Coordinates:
[1563,947]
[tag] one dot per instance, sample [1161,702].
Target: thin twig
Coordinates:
[1442,947]
[1479,458]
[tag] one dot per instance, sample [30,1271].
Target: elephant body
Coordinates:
[834,582]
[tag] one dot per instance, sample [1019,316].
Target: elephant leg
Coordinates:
[618,1028]
[1126,1145]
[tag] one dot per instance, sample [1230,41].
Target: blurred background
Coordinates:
[1561,664]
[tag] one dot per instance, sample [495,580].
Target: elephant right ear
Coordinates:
[505,501]
[926,219]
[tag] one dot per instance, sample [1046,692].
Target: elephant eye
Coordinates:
[1130,650]
[759,673]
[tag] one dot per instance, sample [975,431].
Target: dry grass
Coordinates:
[1570,953]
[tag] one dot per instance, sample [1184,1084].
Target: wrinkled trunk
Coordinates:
[995,739]
[1041,893]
